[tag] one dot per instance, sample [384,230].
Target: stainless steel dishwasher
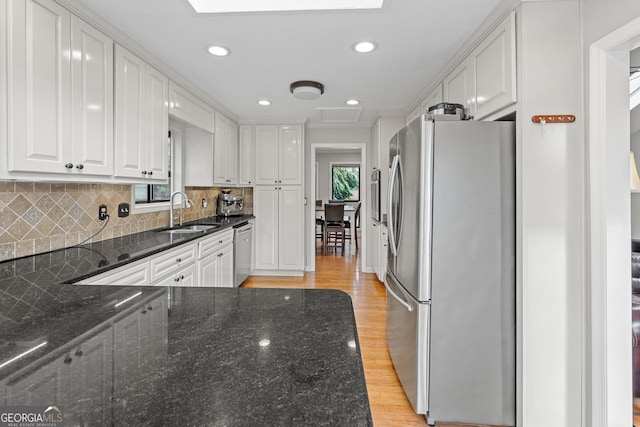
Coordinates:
[242,251]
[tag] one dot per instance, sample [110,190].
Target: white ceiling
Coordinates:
[271,50]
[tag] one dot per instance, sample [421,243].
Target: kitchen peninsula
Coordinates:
[185,356]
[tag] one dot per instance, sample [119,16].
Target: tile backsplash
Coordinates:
[37,217]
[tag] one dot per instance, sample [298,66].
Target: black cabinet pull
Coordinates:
[178,259]
[144,172]
[68,360]
[79,353]
[69,166]
[150,173]
[79,166]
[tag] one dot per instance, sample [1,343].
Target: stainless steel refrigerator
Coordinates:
[451,269]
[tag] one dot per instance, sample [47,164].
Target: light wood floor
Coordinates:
[389,405]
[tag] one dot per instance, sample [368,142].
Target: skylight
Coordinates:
[228,6]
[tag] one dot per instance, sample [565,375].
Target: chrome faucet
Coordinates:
[188,203]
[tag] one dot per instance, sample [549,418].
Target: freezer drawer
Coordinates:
[408,342]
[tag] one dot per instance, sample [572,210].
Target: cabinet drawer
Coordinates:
[135,274]
[172,261]
[213,243]
[186,276]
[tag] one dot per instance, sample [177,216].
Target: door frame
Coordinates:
[364,216]
[608,391]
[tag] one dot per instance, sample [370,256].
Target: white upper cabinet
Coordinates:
[245,155]
[279,154]
[141,119]
[434,98]
[495,69]
[92,101]
[225,159]
[60,112]
[485,82]
[459,88]
[186,107]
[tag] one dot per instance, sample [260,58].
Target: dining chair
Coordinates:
[353,228]
[334,234]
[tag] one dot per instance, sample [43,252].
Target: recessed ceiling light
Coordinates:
[364,47]
[264,102]
[352,102]
[218,50]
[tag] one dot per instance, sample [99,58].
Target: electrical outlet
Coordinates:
[204,203]
[123,210]
[102,212]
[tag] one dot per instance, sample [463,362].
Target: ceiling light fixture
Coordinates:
[364,47]
[264,102]
[352,102]
[218,50]
[306,89]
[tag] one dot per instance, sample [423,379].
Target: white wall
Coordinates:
[324,161]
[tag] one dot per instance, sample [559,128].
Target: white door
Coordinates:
[290,159]
[290,224]
[267,154]
[245,156]
[92,102]
[156,110]
[266,223]
[129,113]
[40,83]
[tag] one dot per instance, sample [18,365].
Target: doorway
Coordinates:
[340,152]
[608,360]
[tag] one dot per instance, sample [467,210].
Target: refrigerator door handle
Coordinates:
[394,295]
[393,241]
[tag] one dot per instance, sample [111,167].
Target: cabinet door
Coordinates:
[375,145]
[221,155]
[265,205]
[245,155]
[495,69]
[92,101]
[232,152]
[458,87]
[208,270]
[375,248]
[267,154]
[382,254]
[225,272]
[129,113]
[434,98]
[40,83]
[156,143]
[290,225]
[290,160]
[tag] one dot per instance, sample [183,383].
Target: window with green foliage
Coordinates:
[345,182]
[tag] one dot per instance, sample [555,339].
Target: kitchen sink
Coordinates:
[200,227]
[189,229]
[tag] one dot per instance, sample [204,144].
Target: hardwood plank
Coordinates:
[389,404]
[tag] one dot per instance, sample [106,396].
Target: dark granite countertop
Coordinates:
[73,264]
[108,355]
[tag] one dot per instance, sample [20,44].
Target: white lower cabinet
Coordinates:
[204,262]
[215,261]
[279,228]
[374,242]
[382,253]
[82,375]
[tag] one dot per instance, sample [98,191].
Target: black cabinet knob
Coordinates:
[144,172]
[79,166]
[68,360]
[150,173]
[69,165]
[178,259]
[79,353]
